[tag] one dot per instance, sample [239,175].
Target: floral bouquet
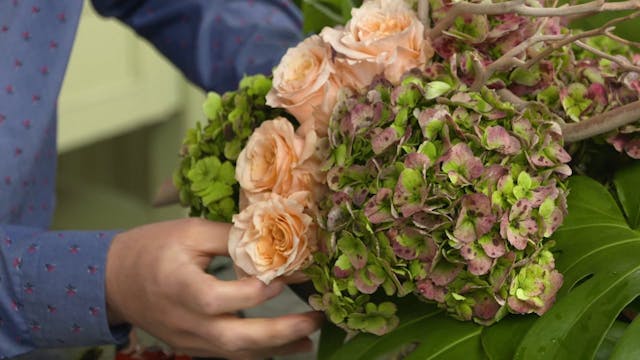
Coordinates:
[421,150]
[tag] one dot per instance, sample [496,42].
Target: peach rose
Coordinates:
[277,159]
[304,84]
[382,36]
[273,237]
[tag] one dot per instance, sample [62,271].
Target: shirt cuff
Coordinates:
[62,294]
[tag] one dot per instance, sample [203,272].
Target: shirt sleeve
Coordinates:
[214,42]
[52,290]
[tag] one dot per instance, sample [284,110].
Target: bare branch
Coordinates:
[621,61]
[509,59]
[423,15]
[575,37]
[509,97]
[519,7]
[612,36]
[602,123]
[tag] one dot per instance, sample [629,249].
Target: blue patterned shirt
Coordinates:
[52,283]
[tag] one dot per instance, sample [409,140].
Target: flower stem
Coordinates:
[602,123]
[519,7]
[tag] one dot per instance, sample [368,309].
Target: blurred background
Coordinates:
[123,112]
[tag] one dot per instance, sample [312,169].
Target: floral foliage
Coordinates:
[397,156]
[206,176]
[447,194]
[574,82]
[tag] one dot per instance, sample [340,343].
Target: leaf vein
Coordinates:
[567,228]
[461,340]
[617,216]
[601,248]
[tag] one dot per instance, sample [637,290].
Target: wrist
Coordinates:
[114,315]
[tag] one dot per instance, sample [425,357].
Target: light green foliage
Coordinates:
[206,176]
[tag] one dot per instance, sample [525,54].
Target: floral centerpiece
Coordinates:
[420,150]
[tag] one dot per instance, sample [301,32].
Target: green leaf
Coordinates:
[436,88]
[610,340]
[215,192]
[513,328]
[628,347]
[575,102]
[424,328]
[320,13]
[627,29]
[525,77]
[212,107]
[414,322]
[524,180]
[331,338]
[411,180]
[626,182]
[549,96]
[599,260]
[447,338]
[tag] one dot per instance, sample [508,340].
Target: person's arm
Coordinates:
[52,290]
[214,42]
[83,288]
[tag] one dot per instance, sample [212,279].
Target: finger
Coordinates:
[240,335]
[201,347]
[240,274]
[207,237]
[211,296]
[296,278]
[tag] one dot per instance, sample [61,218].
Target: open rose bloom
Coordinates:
[273,237]
[398,160]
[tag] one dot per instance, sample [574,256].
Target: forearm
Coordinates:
[214,42]
[52,289]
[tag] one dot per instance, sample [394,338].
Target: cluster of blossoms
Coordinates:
[538,59]
[596,85]
[383,37]
[280,180]
[450,199]
[206,176]
[279,164]
[427,160]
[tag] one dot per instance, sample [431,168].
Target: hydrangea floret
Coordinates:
[450,196]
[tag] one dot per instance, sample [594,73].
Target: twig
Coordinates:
[507,96]
[622,62]
[602,123]
[609,33]
[509,59]
[573,38]
[519,7]
[423,15]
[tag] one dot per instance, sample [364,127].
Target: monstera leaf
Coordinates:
[598,251]
[320,13]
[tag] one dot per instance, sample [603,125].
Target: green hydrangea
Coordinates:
[206,175]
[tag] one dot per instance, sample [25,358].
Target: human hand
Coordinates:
[155,280]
